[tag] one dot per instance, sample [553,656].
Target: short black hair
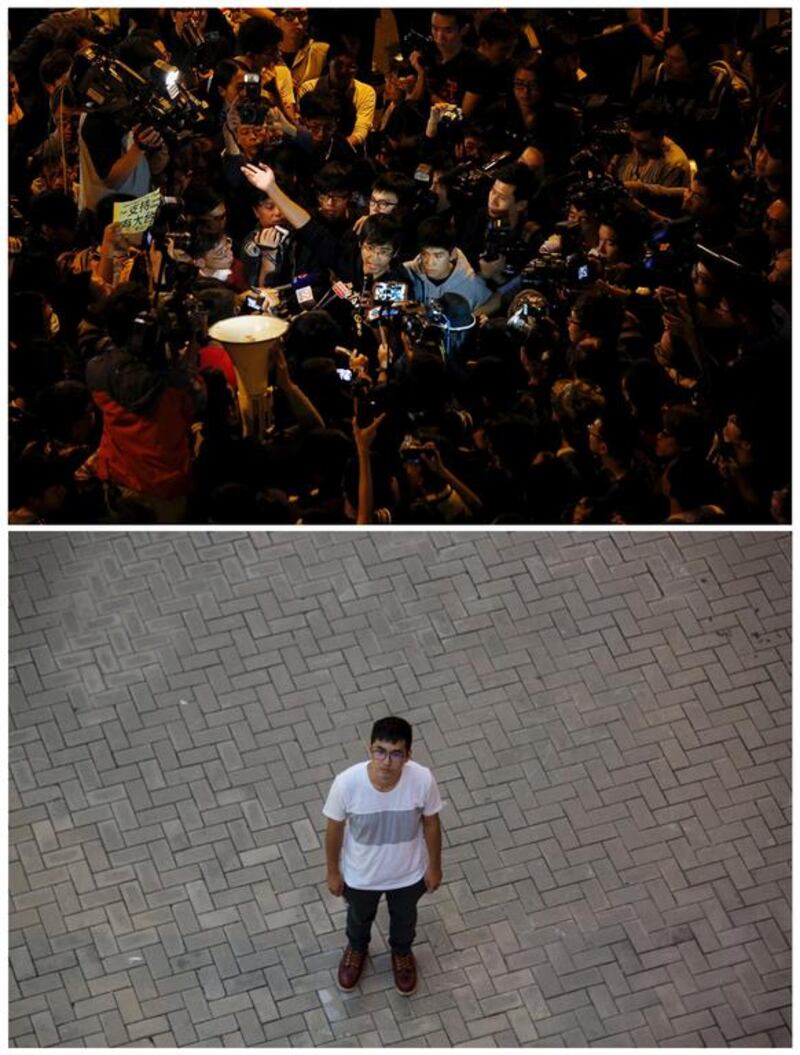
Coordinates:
[120,308]
[381,230]
[435,233]
[139,50]
[200,198]
[463,18]
[497,27]
[517,176]
[53,208]
[600,315]
[394,730]
[335,176]
[61,405]
[618,434]
[257,36]
[224,72]
[321,105]
[648,117]
[313,334]
[54,65]
[397,183]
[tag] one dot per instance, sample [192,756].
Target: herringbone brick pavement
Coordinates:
[608,718]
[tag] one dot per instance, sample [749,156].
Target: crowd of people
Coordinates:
[535,265]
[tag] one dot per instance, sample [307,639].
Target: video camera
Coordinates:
[468,180]
[173,225]
[554,274]
[102,82]
[160,335]
[416,41]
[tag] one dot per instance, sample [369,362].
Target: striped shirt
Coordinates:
[384,847]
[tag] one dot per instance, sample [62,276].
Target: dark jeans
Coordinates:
[362,906]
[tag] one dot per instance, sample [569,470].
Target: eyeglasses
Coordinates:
[325,195]
[380,754]
[383,203]
[528,86]
[385,251]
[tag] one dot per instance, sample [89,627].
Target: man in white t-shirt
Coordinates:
[383,837]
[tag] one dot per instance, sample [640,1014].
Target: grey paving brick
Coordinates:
[608,718]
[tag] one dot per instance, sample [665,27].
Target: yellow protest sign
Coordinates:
[137,215]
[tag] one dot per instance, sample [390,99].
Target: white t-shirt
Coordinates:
[384,846]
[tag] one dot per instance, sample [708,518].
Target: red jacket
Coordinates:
[147,420]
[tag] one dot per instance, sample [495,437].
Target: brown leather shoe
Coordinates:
[405,973]
[350,968]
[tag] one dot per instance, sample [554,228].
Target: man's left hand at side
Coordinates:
[433,879]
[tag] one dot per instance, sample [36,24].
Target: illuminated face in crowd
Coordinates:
[526,89]
[770,169]
[321,129]
[218,258]
[582,218]
[250,138]
[342,72]
[702,282]
[293,23]
[446,34]
[213,222]
[696,200]
[607,245]
[333,204]
[498,51]
[646,144]
[376,259]
[232,91]
[778,225]
[267,213]
[437,263]
[503,204]
[382,203]
[676,64]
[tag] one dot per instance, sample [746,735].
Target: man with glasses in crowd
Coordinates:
[383,837]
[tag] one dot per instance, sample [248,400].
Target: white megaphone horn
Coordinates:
[250,340]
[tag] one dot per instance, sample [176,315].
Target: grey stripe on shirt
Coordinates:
[385,827]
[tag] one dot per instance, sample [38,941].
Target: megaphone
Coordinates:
[250,340]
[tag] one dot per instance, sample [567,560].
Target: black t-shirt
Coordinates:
[450,80]
[103,138]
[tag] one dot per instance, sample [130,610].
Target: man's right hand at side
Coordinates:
[336,884]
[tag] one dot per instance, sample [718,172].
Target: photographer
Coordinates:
[115,158]
[450,72]
[258,43]
[498,234]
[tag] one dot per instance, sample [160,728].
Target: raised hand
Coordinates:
[260,176]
